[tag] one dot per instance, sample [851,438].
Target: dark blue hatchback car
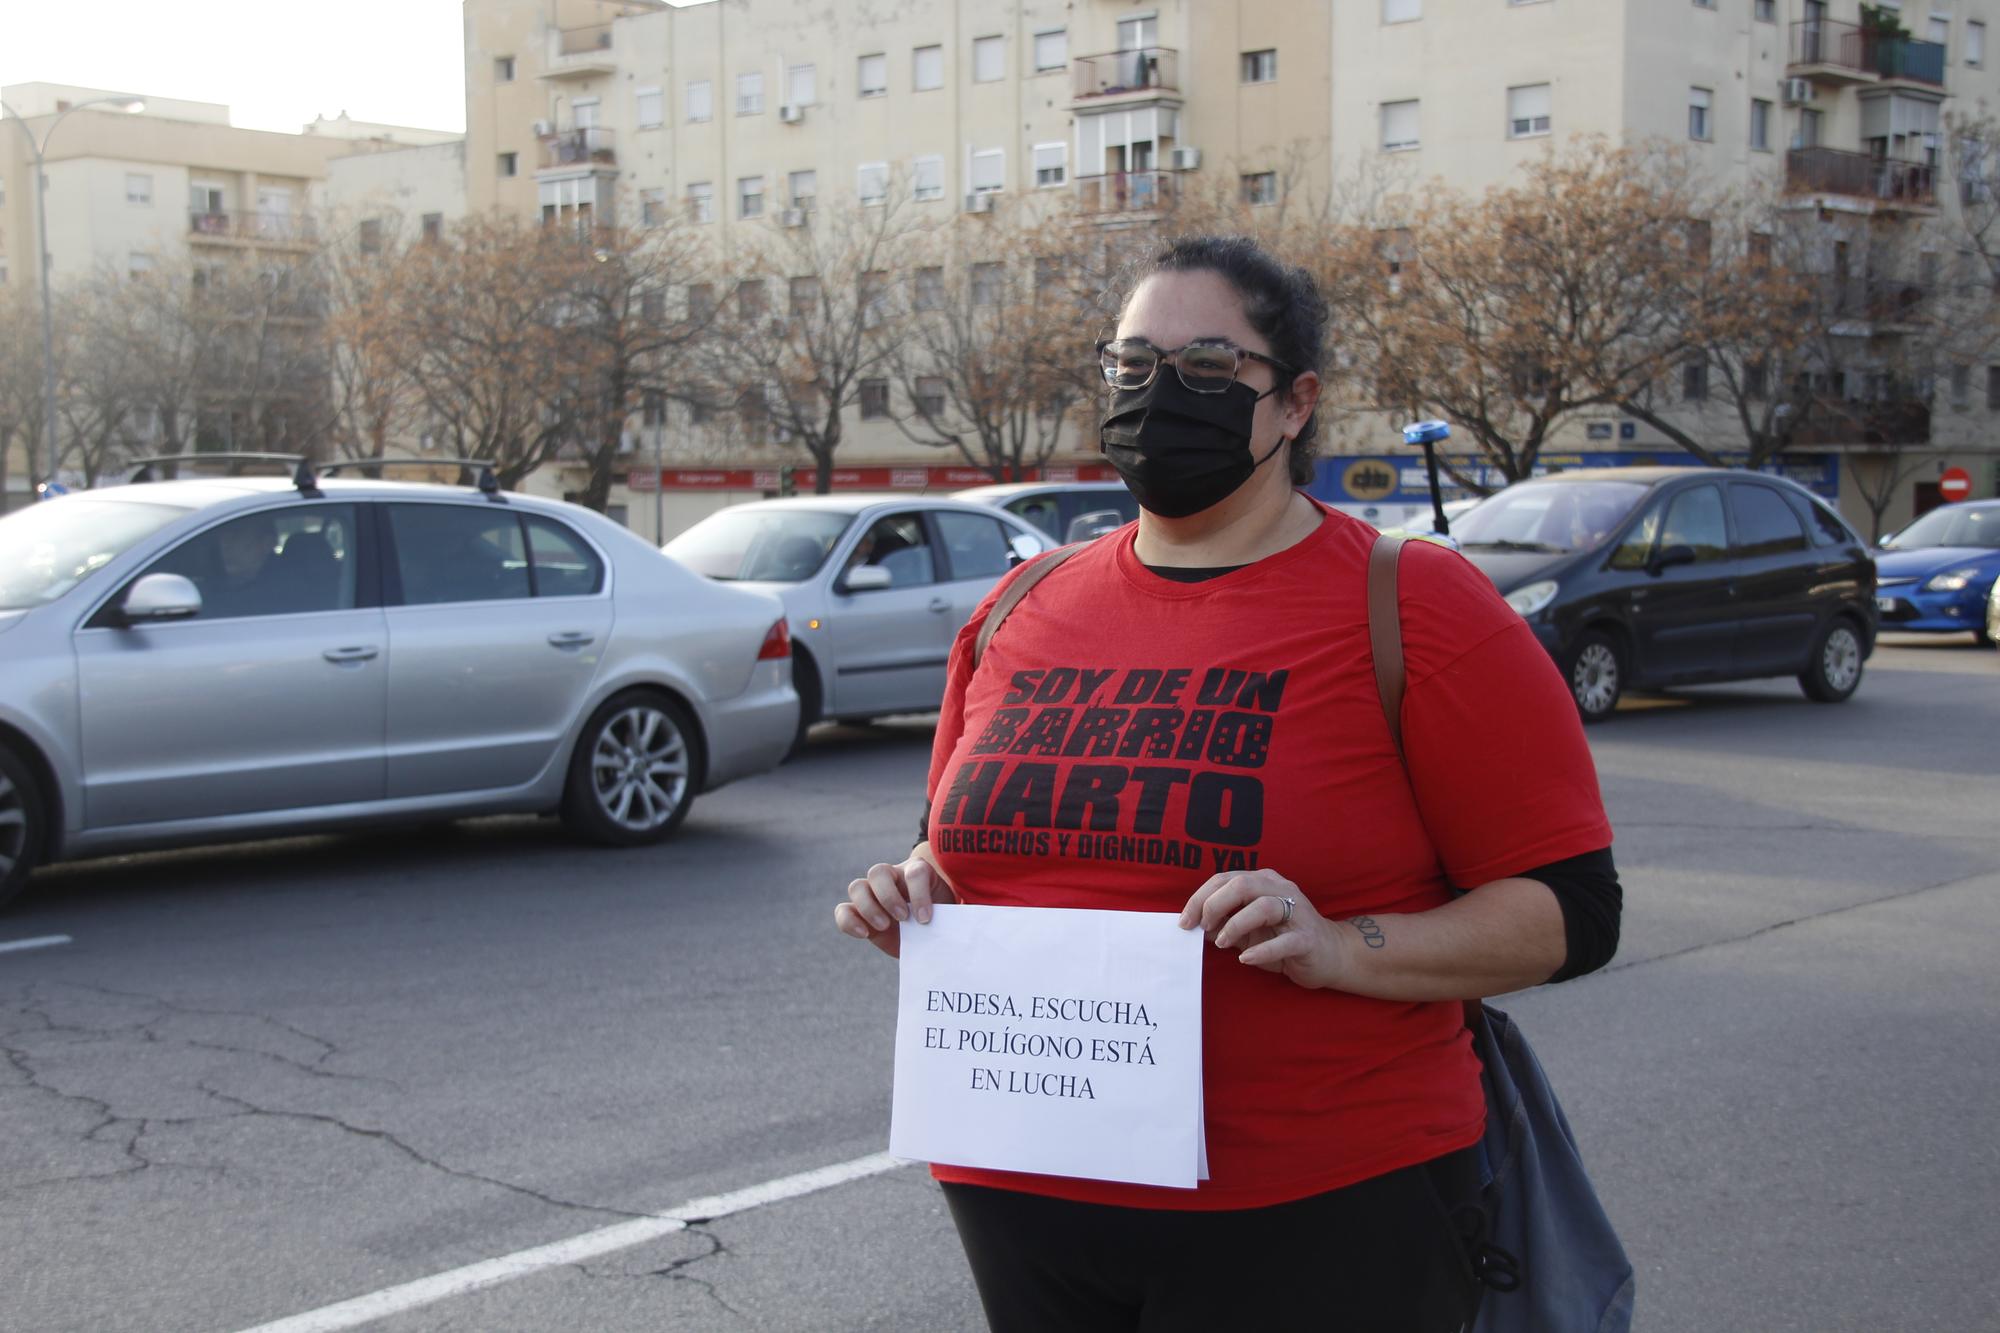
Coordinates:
[1935,576]
[1663,576]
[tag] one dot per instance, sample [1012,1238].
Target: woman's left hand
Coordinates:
[1246,910]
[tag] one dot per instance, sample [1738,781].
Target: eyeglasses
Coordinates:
[1206,365]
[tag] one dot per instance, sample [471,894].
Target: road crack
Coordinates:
[678,1270]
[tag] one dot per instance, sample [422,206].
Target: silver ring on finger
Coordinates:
[1289,903]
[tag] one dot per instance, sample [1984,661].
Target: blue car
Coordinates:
[1935,576]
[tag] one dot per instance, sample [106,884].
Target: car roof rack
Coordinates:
[479,469]
[143,467]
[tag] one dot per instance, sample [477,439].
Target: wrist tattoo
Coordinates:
[1371,933]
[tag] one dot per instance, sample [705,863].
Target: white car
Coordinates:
[875,587]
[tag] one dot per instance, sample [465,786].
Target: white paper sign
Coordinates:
[1053,1040]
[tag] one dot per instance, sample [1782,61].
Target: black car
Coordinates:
[1647,577]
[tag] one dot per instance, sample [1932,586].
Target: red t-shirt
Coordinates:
[1128,736]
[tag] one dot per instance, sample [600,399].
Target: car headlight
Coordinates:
[1533,597]
[1952,579]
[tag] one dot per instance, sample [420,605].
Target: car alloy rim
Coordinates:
[1840,660]
[640,767]
[1595,679]
[13,826]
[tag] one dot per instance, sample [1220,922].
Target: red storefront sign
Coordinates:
[849,478]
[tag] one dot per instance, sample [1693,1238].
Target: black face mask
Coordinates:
[1179,451]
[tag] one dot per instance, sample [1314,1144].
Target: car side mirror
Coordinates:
[865,578]
[1094,524]
[1669,556]
[160,597]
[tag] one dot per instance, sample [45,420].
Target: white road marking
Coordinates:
[591,1244]
[39,942]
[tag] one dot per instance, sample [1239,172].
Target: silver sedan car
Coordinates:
[190,661]
[876,587]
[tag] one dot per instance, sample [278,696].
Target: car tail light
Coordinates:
[777,644]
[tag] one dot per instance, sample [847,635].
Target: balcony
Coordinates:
[1836,53]
[1126,76]
[1883,184]
[1125,192]
[1895,422]
[578,147]
[251,228]
[580,53]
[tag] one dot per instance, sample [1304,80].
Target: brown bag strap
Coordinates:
[1385,632]
[1036,571]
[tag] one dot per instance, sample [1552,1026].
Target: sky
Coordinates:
[275,63]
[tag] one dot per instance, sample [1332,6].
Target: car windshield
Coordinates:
[1553,516]
[1952,525]
[49,548]
[765,545]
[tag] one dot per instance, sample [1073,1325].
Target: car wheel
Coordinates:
[805,680]
[1595,673]
[1833,672]
[22,833]
[634,772]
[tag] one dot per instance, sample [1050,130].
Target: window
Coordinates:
[1138,33]
[1759,247]
[1051,164]
[652,207]
[369,236]
[1694,519]
[874,399]
[139,188]
[1765,11]
[928,289]
[1399,126]
[1260,66]
[1699,100]
[1760,124]
[271,564]
[802,85]
[899,545]
[1700,240]
[927,177]
[989,59]
[458,553]
[1756,378]
[749,94]
[701,201]
[1528,111]
[1827,527]
[503,69]
[1402,11]
[989,170]
[1694,381]
[432,227]
[1260,187]
[1051,50]
[1048,273]
[872,76]
[138,264]
[872,182]
[802,187]
[649,107]
[802,296]
[653,306]
[930,395]
[1765,524]
[560,562]
[1704,4]
[1975,42]
[1993,388]
[701,301]
[927,68]
[701,101]
[3,270]
[751,298]
[508,164]
[750,196]
[987,279]
[976,547]
[872,291]
[1808,132]
[1939,29]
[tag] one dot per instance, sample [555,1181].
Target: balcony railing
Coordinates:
[278,227]
[1894,422]
[1872,297]
[1844,46]
[576,41]
[575,147]
[1125,191]
[1115,72]
[1885,180]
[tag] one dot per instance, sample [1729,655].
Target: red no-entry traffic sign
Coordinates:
[1955,483]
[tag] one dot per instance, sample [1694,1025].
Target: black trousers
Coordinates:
[1380,1256]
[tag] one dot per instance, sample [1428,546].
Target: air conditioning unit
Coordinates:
[979,203]
[793,217]
[791,113]
[1184,159]
[1797,92]
[544,129]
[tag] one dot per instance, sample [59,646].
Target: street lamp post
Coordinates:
[42,267]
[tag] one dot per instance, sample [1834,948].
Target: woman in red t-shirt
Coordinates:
[1192,697]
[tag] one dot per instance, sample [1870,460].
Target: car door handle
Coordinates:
[574,638]
[345,656]
[940,605]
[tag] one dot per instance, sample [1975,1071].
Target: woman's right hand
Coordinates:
[888,895]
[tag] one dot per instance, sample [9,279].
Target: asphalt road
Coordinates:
[266,1079]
